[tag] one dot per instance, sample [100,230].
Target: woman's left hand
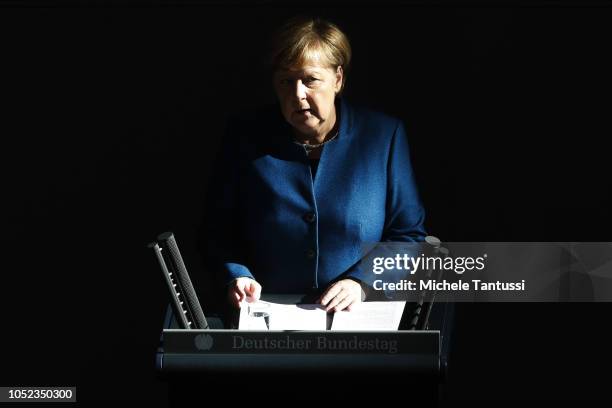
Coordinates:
[341,295]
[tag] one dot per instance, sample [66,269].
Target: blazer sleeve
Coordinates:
[405,215]
[220,238]
[404,212]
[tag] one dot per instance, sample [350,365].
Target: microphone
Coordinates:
[422,311]
[185,303]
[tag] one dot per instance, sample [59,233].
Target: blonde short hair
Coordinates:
[304,39]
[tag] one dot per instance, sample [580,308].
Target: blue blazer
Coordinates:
[269,220]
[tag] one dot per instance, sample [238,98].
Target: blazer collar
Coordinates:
[346,119]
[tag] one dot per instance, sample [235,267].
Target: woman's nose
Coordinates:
[300,89]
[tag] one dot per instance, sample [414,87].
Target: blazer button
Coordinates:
[310,218]
[311,253]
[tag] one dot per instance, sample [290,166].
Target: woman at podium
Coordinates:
[300,186]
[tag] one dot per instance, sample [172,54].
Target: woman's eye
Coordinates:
[306,81]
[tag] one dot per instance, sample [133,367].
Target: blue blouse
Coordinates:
[270,220]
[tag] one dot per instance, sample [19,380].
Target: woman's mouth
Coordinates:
[304,112]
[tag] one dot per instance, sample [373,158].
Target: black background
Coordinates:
[111,115]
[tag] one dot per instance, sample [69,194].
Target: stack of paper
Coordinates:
[273,316]
[263,315]
[370,316]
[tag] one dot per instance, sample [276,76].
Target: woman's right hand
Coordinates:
[243,289]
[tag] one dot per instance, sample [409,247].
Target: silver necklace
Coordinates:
[311,147]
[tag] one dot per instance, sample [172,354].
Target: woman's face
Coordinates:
[307,96]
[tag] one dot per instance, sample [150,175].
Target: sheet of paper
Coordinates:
[370,316]
[263,315]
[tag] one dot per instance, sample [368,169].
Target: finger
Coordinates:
[330,294]
[251,291]
[256,290]
[335,301]
[346,302]
[247,288]
[240,291]
[235,299]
